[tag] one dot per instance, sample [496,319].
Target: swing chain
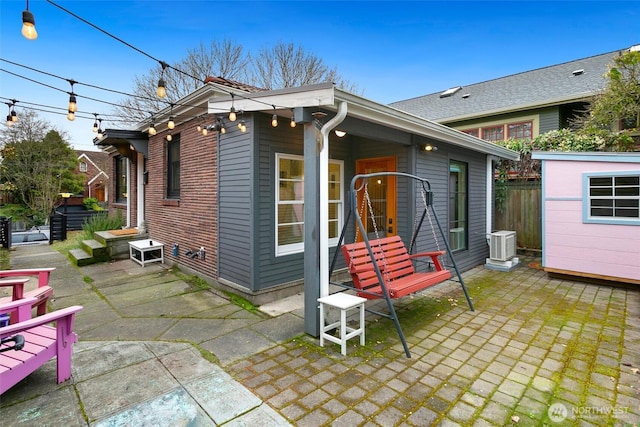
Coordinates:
[375,229]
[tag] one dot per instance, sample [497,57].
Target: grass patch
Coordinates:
[5,259]
[241,302]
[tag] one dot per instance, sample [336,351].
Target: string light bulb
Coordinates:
[205,131]
[100,131]
[274,118]
[162,91]
[95,123]
[169,137]
[152,129]
[9,121]
[73,105]
[29,24]
[171,123]
[14,116]
[232,111]
[292,123]
[223,130]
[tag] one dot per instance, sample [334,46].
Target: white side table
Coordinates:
[344,302]
[146,251]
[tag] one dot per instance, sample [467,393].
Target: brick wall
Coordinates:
[190,221]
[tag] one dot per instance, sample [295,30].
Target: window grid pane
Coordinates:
[614,197]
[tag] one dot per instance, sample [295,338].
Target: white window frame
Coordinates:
[294,248]
[587,198]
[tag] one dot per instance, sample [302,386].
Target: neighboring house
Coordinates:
[591,223]
[522,105]
[93,166]
[254,202]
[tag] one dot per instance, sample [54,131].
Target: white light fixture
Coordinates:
[340,133]
[429,147]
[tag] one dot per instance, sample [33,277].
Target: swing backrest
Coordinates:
[391,257]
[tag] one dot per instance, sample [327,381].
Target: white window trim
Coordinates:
[586,200]
[294,248]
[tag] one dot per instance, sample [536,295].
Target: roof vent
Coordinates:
[466,95]
[450,91]
[578,72]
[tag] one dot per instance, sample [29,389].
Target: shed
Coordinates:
[591,215]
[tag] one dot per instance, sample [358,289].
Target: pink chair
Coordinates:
[42,293]
[41,342]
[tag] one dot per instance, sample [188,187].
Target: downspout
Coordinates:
[128,193]
[324,197]
[140,193]
[490,200]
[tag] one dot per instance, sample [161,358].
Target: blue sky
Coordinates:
[392,50]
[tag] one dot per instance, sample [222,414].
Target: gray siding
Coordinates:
[435,167]
[235,213]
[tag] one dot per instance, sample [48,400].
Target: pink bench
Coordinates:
[42,342]
[42,293]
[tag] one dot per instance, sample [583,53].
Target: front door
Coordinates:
[380,216]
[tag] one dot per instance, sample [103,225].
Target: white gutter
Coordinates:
[324,197]
[140,193]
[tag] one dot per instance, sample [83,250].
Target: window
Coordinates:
[457,205]
[173,168]
[519,130]
[613,198]
[290,203]
[473,132]
[82,167]
[121,179]
[495,133]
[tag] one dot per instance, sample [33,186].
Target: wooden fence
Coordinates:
[522,212]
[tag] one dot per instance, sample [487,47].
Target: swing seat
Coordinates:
[396,267]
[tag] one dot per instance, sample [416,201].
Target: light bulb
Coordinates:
[223,130]
[95,127]
[169,137]
[161,92]
[29,26]
[14,116]
[100,133]
[72,103]
[152,130]
[274,120]
[232,114]
[205,131]
[9,121]
[171,124]
[292,123]
[71,116]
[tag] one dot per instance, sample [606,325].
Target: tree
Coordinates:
[282,66]
[620,100]
[29,127]
[37,171]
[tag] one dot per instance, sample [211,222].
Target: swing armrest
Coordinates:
[434,257]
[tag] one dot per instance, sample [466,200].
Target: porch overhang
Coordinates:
[327,97]
[126,142]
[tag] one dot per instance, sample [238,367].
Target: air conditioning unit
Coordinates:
[502,245]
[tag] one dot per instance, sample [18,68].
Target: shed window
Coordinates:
[290,203]
[613,198]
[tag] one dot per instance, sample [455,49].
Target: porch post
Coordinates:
[311,229]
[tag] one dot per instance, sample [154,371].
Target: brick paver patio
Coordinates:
[537,351]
